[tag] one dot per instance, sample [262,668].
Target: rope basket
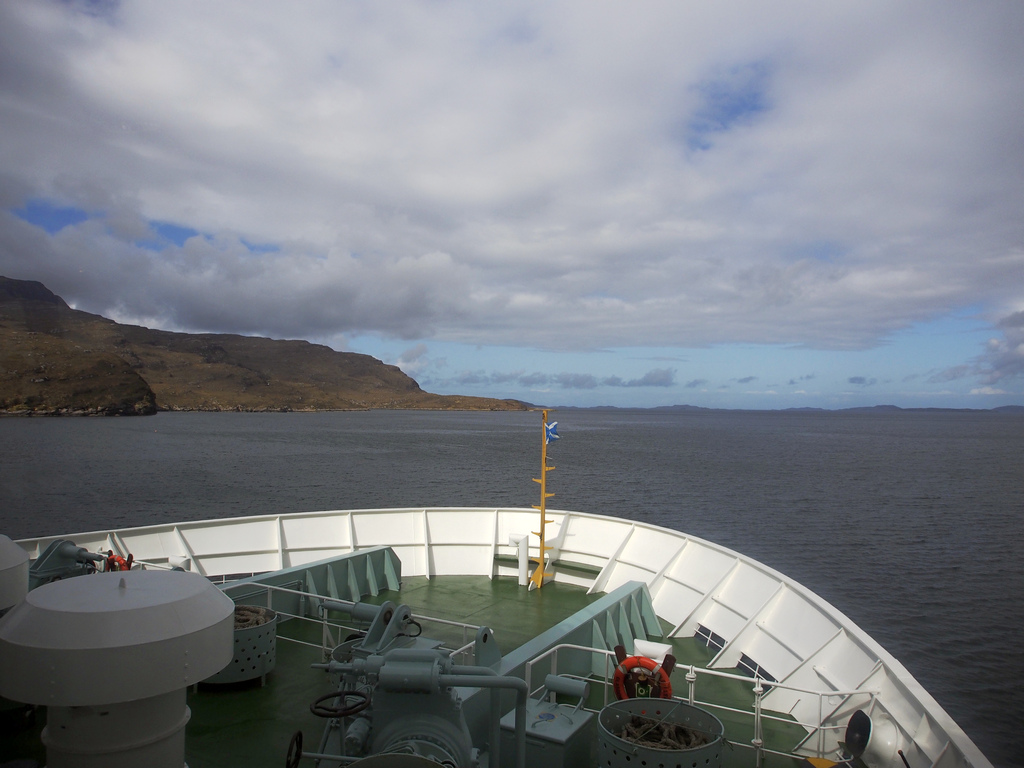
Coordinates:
[255,646]
[658,733]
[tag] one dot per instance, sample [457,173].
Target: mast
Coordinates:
[539,573]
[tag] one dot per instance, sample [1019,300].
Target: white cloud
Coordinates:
[414,359]
[552,175]
[988,391]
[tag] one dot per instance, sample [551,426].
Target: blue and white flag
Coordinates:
[550,432]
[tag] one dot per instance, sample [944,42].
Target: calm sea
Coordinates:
[911,523]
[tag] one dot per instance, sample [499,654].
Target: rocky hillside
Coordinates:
[54,359]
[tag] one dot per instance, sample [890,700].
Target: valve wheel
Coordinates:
[345,710]
[294,751]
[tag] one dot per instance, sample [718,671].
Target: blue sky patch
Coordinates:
[259,248]
[733,98]
[164,232]
[176,233]
[52,217]
[49,216]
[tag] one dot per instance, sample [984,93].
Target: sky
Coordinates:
[729,204]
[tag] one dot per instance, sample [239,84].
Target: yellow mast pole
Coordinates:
[539,574]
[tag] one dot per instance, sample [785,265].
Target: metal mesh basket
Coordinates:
[651,717]
[255,646]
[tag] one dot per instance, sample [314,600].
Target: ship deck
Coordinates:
[249,724]
[246,724]
[461,564]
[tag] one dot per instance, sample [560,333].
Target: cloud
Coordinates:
[695,383]
[1004,358]
[988,391]
[950,374]
[538,175]
[511,376]
[471,378]
[657,377]
[862,381]
[413,360]
[576,380]
[1014,321]
[533,380]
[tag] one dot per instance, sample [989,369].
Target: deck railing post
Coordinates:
[821,729]
[691,683]
[554,671]
[758,740]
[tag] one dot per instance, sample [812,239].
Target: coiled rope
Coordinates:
[247,616]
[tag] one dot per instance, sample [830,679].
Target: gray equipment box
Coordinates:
[556,734]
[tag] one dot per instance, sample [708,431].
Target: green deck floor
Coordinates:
[250,725]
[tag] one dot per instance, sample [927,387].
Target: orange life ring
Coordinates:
[118,563]
[645,677]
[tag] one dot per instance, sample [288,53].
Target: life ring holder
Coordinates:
[661,688]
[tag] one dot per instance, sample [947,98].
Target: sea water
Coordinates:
[909,522]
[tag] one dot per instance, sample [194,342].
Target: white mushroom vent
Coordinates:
[121,650]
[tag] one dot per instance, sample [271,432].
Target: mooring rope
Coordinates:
[660,734]
[247,616]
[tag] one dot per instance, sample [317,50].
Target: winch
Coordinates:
[395,692]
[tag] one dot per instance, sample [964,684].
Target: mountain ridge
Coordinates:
[58,360]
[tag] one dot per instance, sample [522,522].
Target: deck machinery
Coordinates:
[396,693]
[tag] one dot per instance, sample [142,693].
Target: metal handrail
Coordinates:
[692,674]
[326,626]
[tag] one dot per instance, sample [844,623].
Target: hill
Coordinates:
[58,360]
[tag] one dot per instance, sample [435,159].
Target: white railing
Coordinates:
[328,639]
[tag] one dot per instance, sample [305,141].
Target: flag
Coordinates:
[550,432]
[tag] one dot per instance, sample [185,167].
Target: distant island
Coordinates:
[55,360]
[805,409]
